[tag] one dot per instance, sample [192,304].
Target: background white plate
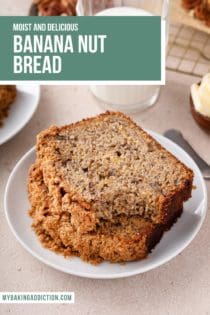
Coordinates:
[21,111]
[172,243]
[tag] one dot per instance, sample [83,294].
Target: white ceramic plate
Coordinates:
[21,111]
[172,243]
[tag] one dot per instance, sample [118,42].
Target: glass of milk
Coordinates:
[129,98]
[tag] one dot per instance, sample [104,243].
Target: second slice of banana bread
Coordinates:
[126,239]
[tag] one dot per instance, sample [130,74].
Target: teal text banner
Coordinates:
[80,48]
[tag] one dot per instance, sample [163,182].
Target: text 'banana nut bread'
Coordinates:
[111,181]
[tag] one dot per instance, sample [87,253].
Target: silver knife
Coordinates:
[177,137]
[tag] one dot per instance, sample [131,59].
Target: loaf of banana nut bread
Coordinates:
[127,239]
[109,166]
[200,9]
[104,189]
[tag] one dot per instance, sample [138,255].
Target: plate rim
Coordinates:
[114,275]
[13,134]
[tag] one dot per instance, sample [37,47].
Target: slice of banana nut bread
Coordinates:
[108,166]
[127,239]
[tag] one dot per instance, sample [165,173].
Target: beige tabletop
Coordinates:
[181,286]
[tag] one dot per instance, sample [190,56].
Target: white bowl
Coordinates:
[21,111]
[173,242]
